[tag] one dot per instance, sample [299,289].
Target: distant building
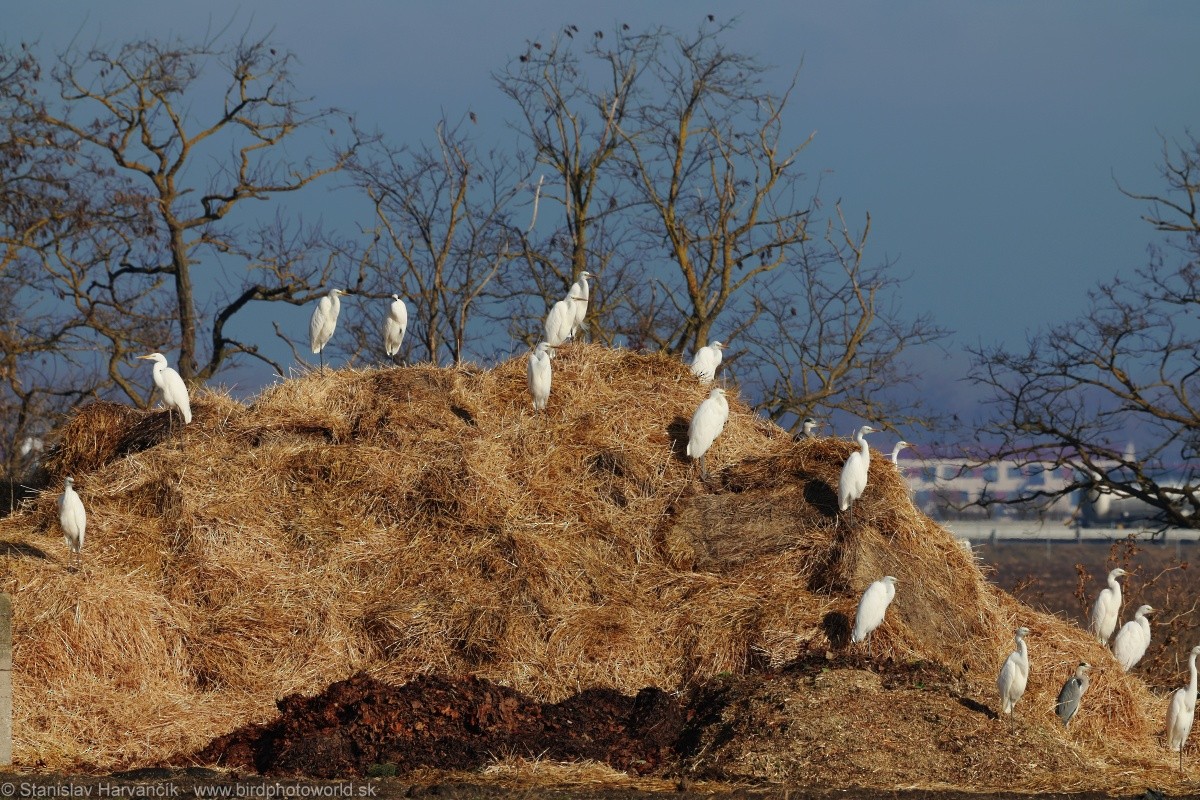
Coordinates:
[945,488]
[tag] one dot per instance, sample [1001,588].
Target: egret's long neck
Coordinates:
[1023,649]
[1112,584]
[1192,682]
[863,448]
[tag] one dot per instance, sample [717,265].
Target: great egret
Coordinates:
[707,424]
[1014,674]
[394,326]
[174,390]
[1182,711]
[561,320]
[810,427]
[1106,608]
[871,608]
[1068,697]
[1133,639]
[706,361]
[579,291]
[72,518]
[854,473]
[539,376]
[323,322]
[896,451]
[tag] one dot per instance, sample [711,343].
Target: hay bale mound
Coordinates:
[418,520]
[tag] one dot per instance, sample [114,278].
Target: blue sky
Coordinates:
[985,139]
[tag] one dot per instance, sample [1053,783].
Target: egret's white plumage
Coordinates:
[707,424]
[1071,693]
[579,291]
[1014,675]
[324,320]
[706,361]
[539,376]
[854,473]
[810,427]
[1108,604]
[896,451]
[174,390]
[72,518]
[1182,711]
[872,607]
[1133,639]
[560,321]
[394,326]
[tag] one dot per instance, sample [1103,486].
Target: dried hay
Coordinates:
[415,520]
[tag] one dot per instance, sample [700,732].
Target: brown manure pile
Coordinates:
[415,521]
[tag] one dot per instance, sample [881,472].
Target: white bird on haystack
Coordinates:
[394,326]
[706,361]
[540,375]
[707,424]
[853,482]
[871,609]
[324,322]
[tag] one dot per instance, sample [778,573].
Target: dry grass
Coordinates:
[415,520]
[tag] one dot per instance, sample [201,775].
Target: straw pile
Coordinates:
[416,520]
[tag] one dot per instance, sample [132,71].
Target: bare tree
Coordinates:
[178,166]
[1129,366]
[571,106]
[440,237]
[45,364]
[831,338]
[708,156]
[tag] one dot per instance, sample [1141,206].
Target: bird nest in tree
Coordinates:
[419,520]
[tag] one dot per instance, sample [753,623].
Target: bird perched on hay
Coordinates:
[561,320]
[707,424]
[1014,675]
[174,390]
[810,428]
[854,472]
[72,519]
[1071,692]
[394,326]
[1133,639]
[1108,604]
[896,451]
[871,608]
[579,291]
[539,375]
[324,321]
[1182,711]
[706,361]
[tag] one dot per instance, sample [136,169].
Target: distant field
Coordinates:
[1049,577]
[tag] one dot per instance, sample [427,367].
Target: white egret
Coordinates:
[323,322]
[1071,692]
[579,291]
[539,375]
[1108,604]
[72,518]
[1133,639]
[174,390]
[560,320]
[707,424]
[706,361]
[854,473]
[871,608]
[1182,711]
[896,451]
[394,326]
[1014,675]
[810,427]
